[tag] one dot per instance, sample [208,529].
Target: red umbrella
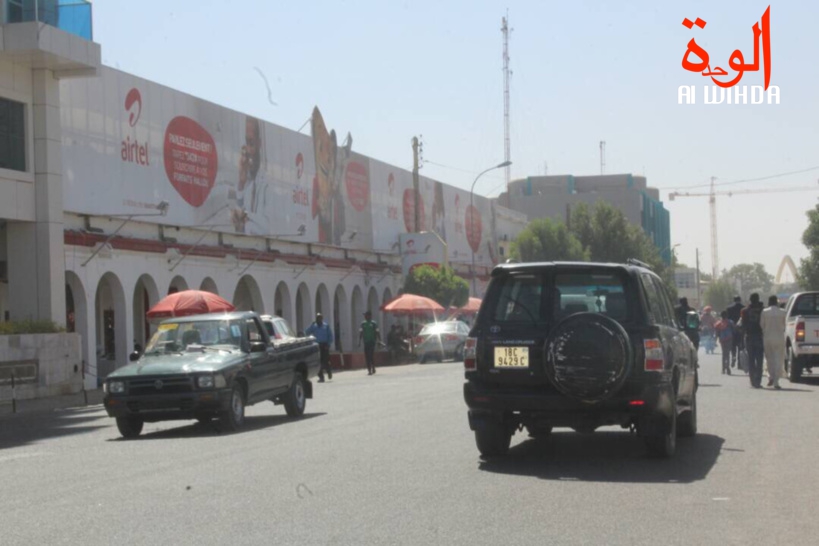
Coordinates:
[472,306]
[189,302]
[410,304]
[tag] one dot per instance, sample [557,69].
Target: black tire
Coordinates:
[664,446]
[422,359]
[129,427]
[794,367]
[588,357]
[539,432]
[296,398]
[687,426]
[493,439]
[232,418]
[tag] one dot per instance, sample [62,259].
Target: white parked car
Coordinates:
[440,340]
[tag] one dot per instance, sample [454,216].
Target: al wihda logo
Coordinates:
[697,60]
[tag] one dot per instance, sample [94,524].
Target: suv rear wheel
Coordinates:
[493,439]
[664,446]
[688,421]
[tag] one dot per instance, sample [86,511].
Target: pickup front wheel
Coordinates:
[129,427]
[296,398]
[232,418]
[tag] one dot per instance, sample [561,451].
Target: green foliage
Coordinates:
[809,267]
[546,240]
[719,294]
[751,278]
[439,284]
[30,327]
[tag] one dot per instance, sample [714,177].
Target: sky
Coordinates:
[582,72]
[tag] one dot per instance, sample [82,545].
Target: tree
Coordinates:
[809,267]
[546,240]
[719,294]
[608,236]
[750,278]
[440,284]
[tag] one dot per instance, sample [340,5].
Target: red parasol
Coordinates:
[472,306]
[410,304]
[189,302]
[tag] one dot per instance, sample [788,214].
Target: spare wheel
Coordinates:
[588,356]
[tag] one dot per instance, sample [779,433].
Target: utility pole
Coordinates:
[507,74]
[714,239]
[602,157]
[699,295]
[415,185]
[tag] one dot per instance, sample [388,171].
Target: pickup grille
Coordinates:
[182,404]
[160,385]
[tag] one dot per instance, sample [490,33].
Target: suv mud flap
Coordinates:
[479,419]
[658,422]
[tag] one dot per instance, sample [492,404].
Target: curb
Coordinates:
[35,406]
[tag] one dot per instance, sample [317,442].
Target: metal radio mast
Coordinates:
[507,147]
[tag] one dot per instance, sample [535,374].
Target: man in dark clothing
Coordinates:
[750,322]
[682,311]
[370,335]
[734,315]
[324,335]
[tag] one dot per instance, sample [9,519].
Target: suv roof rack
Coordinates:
[632,261]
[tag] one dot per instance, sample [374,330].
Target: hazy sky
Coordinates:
[583,71]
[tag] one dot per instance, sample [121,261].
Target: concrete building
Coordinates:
[685,279]
[116,191]
[555,196]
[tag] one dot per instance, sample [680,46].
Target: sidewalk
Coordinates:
[44,405]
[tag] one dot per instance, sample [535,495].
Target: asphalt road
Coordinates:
[389,459]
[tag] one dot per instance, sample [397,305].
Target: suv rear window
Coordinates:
[547,298]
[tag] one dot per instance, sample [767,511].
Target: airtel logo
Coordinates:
[133,97]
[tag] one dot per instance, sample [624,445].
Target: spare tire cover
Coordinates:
[588,356]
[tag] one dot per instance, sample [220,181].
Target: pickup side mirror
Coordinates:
[258,346]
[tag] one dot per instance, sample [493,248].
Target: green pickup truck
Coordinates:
[211,366]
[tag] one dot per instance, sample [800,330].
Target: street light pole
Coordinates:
[471,215]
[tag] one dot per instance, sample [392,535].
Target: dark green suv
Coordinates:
[579,345]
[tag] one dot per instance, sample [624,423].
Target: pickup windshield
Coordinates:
[178,336]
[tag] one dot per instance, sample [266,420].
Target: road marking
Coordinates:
[21,456]
[721,498]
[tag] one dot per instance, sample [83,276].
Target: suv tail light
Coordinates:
[469,353]
[800,331]
[655,359]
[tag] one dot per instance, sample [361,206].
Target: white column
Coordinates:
[35,250]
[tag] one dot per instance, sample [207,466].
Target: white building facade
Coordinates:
[115,191]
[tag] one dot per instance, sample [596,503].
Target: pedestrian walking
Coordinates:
[683,311]
[725,333]
[370,335]
[734,312]
[773,337]
[751,323]
[324,335]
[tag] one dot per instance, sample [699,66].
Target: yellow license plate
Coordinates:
[511,357]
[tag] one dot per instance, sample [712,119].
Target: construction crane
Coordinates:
[712,199]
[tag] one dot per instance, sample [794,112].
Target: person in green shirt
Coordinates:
[370,335]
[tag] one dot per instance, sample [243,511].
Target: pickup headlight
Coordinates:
[116,387]
[205,382]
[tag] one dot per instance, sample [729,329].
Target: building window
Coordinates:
[12,135]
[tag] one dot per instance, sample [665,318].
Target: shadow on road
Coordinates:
[203,430]
[607,457]
[19,430]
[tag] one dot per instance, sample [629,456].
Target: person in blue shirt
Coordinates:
[324,335]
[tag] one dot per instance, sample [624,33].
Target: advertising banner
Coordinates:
[418,249]
[130,144]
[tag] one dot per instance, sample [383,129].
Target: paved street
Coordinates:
[389,459]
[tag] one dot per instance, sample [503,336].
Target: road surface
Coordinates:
[389,459]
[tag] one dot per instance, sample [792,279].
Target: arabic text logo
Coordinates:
[133,98]
[701,64]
